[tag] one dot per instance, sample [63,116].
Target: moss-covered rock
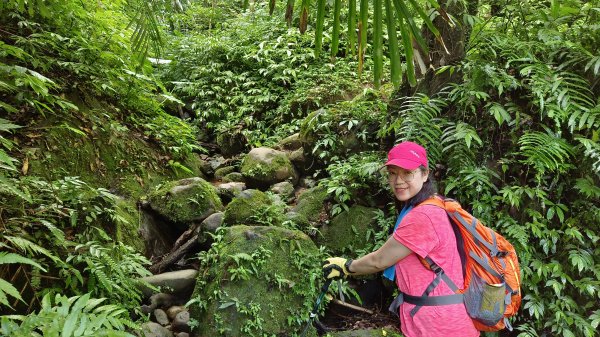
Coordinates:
[285,190]
[253,207]
[311,204]
[231,143]
[263,167]
[347,232]
[257,281]
[233,177]
[185,201]
[223,171]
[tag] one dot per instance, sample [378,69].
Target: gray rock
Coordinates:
[307,182]
[285,190]
[174,310]
[180,322]
[160,317]
[210,226]
[152,329]
[298,158]
[182,334]
[216,162]
[232,188]
[173,282]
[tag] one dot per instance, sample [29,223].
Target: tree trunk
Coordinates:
[455,39]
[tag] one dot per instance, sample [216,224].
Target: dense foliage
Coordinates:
[514,137]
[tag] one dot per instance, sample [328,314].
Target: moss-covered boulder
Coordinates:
[347,232]
[256,281]
[231,143]
[253,207]
[185,201]
[311,204]
[263,167]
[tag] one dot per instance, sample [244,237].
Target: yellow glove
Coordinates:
[336,267]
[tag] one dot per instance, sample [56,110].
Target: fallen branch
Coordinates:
[174,255]
[352,306]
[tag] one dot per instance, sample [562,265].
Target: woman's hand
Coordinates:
[336,267]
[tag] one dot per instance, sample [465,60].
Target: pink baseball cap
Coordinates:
[407,155]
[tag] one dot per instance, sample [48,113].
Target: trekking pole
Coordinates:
[313,313]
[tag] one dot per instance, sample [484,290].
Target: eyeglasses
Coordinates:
[406,176]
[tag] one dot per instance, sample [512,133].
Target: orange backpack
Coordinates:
[492,289]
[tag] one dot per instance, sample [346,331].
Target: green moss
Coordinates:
[311,203]
[233,177]
[347,232]
[253,207]
[277,293]
[185,201]
[223,171]
[104,153]
[128,224]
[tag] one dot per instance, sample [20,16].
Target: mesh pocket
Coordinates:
[485,302]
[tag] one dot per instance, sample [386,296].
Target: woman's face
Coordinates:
[406,183]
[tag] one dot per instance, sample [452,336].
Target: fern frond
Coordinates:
[588,188]
[585,118]
[7,288]
[6,258]
[459,134]
[32,248]
[418,121]
[545,152]
[592,151]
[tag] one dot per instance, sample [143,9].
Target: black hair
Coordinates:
[428,190]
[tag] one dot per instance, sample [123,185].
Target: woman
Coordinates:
[423,231]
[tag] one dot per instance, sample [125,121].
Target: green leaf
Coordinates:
[6,287]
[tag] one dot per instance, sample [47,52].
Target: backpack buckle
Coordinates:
[436,269]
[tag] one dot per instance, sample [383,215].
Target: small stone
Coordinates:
[151,329]
[223,171]
[285,190]
[160,316]
[180,322]
[174,310]
[307,182]
[182,334]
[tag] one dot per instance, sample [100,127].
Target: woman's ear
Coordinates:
[426,174]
